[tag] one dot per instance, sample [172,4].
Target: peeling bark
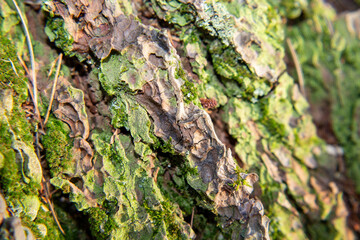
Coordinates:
[132,140]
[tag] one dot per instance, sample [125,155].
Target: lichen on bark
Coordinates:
[135,149]
[147,68]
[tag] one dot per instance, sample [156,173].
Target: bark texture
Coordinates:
[133,143]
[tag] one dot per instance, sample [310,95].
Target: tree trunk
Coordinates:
[179,120]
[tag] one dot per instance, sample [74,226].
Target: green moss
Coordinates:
[13,125]
[19,195]
[321,231]
[101,223]
[57,33]
[12,74]
[165,147]
[11,27]
[290,9]
[175,12]
[126,165]
[270,188]
[165,215]
[45,217]
[58,146]
[188,88]
[193,47]
[275,229]
[119,114]
[227,63]
[126,112]
[189,91]
[275,128]
[239,180]
[259,114]
[270,116]
[207,228]
[331,75]
[11,180]
[284,224]
[71,228]
[185,187]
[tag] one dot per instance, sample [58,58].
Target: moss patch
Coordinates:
[21,195]
[58,145]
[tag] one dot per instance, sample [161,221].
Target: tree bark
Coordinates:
[183,123]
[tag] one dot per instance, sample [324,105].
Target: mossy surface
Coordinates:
[138,187]
[19,188]
[11,26]
[269,120]
[101,223]
[140,203]
[330,55]
[129,160]
[58,147]
[58,34]
[138,122]
[189,91]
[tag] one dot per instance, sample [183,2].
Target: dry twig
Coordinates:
[297,66]
[23,64]
[47,197]
[192,217]
[53,66]
[53,89]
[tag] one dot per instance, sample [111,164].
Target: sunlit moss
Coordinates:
[101,223]
[14,126]
[58,146]
[56,31]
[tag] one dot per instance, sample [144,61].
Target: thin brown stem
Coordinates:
[297,66]
[53,89]
[47,197]
[53,66]
[29,87]
[192,217]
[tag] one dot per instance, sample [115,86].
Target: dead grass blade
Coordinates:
[52,66]
[47,197]
[53,89]
[29,87]
[192,217]
[297,66]
[12,65]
